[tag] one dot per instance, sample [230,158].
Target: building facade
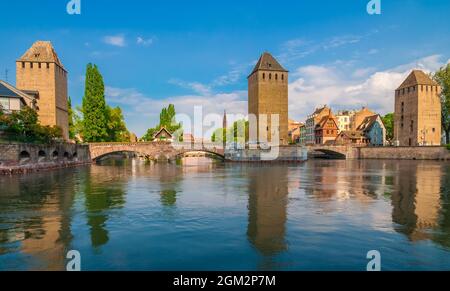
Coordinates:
[344,118]
[352,137]
[39,71]
[418,111]
[12,99]
[358,117]
[302,138]
[294,131]
[267,96]
[326,130]
[374,130]
[311,123]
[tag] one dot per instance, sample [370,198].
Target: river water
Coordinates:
[320,215]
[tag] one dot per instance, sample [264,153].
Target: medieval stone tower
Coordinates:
[40,72]
[268,95]
[418,111]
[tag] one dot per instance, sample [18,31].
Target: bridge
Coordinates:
[335,151]
[157,150]
[170,152]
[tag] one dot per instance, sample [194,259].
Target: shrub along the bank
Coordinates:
[24,126]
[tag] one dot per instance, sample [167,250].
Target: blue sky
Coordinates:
[199,52]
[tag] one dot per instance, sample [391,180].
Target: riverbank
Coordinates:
[27,158]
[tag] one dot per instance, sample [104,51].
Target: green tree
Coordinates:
[239,131]
[117,129]
[23,126]
[72,129]
[443,78]
[167,120]
[94,108]
[388,121]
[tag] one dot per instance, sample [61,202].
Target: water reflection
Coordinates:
[416,200]
[267,211]
[271,210]
[36,219]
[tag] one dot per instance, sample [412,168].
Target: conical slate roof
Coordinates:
[41,51]
[268,63]
[417,77]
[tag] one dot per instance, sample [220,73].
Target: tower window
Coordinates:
[39,65]
[48,65]
[282,77]
[270,76]
[23,65]
[264,76]
[276,77]
[31,65]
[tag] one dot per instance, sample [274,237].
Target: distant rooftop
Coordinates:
[417,77]
[41,51]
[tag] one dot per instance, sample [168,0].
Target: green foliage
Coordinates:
[448,146]
[117,129]
[100,122]
[23,126]
[388,121]
[238,132]
[167,120]
[443,78]
[94,108]
[72,129]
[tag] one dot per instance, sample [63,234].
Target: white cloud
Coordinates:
[144,42]
[115,40]
[314,86]
[142,111]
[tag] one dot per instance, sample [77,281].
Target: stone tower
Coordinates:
[268,95]
[418,111]
[40,71]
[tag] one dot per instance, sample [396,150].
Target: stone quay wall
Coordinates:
[275,154]
[405,153]
[25,158]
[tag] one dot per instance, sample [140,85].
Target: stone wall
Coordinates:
[22,158]
[405,153]
[275,154]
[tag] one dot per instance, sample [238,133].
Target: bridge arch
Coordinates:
[105,155]
[152,150]
[327,153]
[198,153]
[333,151]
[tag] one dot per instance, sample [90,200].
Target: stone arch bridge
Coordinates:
[156,150]
[335,151]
